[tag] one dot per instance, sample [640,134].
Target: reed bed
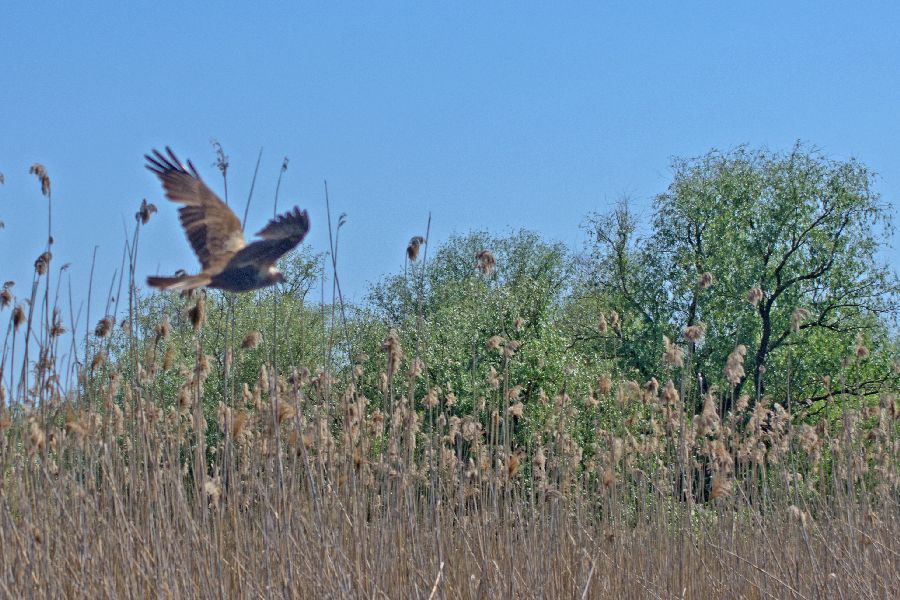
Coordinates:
[307,489]
[124,476]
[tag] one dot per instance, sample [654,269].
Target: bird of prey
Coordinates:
[215,233]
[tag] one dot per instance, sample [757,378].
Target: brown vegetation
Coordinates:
[299,486]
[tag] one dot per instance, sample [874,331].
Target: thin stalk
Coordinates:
[252,186]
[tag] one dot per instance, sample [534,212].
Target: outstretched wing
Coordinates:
[213,230]
[280,236]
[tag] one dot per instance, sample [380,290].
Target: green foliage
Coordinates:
[802,228]
[445,310]
[292,334]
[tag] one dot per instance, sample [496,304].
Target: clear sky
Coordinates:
[490,115]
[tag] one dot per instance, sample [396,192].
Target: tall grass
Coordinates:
[299,486]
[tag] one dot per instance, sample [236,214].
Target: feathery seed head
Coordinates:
[754,296]
[485,262]
[513,465]
[416,368]
[145,211]
[98,361]
[39,171]
[670,394]
[604,384]
[603,326]
[615,321]
[708,422]
[412,250]
[18,317]
[221,157]
[42,263]
[251,340]
[694,333]
[431,399]
[734,366]
[169,358]
[513,393]
[163,329]
[494,342]
[197,313]
[674,354]
[183,401]
[201,367]
[493,379]
[56,326]
[36,437]
[286,411]
[391,346]
[510,348]
[104,326]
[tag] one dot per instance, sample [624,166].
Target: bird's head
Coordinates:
[275,276]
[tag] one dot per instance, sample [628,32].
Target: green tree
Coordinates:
[284,330]
[800,229]
[462,307]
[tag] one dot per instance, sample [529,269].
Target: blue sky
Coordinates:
[491,117]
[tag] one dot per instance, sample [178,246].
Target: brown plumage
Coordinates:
[215,234]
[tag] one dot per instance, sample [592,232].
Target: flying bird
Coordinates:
[228,262]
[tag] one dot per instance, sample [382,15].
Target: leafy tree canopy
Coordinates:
[799,229]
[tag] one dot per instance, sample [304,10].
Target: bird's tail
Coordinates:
[179,283]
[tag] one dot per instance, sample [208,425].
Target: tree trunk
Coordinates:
[763,351]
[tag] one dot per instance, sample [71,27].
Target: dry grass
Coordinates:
[310,492]
[301,487]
